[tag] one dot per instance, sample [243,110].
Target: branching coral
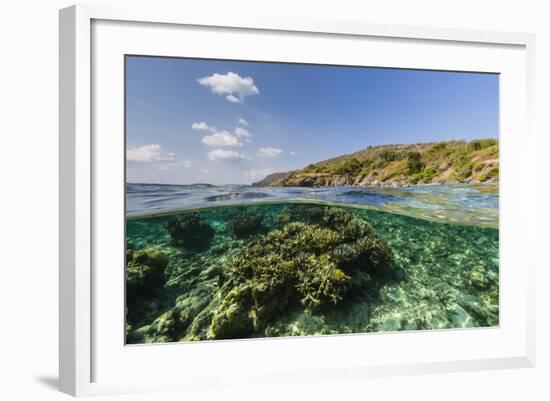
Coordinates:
[312,265]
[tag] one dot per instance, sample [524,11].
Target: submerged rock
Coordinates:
[302,323]
[232,319]
[162,330]
[191,232]
[144,272]
[484,314]
[459,318]
[479,278]
[190,305]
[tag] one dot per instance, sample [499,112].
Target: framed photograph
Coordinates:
[280,200]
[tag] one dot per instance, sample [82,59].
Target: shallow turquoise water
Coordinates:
[446,277]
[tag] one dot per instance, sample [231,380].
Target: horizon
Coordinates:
[192,121]
[278,172]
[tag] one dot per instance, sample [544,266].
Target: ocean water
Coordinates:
[475,204]
[444,271]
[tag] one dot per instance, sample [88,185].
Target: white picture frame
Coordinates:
[83,352]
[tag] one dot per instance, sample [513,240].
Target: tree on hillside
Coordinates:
[414,163]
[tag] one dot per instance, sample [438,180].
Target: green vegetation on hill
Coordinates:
[400,165]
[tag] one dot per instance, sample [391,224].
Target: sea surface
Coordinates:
[463,204]
[444,241]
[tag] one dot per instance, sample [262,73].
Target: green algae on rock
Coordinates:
[144,272]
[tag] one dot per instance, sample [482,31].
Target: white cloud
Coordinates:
[269,152]
[256,175]
[241,132]
[222,154]
[242,121]
[293,153]
[235,87]
[222,138]
[175,165]
[148,153]
[233,99]
[202,126]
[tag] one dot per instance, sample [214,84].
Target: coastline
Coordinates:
[396,166]
[385,184]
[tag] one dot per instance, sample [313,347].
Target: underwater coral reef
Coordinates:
[292,269]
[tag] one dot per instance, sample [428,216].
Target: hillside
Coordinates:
[272,180]
[400,165]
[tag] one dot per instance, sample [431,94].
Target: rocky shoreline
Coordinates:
[342,181]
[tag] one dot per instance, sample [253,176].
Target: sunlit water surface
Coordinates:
[467,204]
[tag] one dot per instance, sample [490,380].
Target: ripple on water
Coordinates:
[472,204]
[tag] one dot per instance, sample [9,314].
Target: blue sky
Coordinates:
[228,122]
